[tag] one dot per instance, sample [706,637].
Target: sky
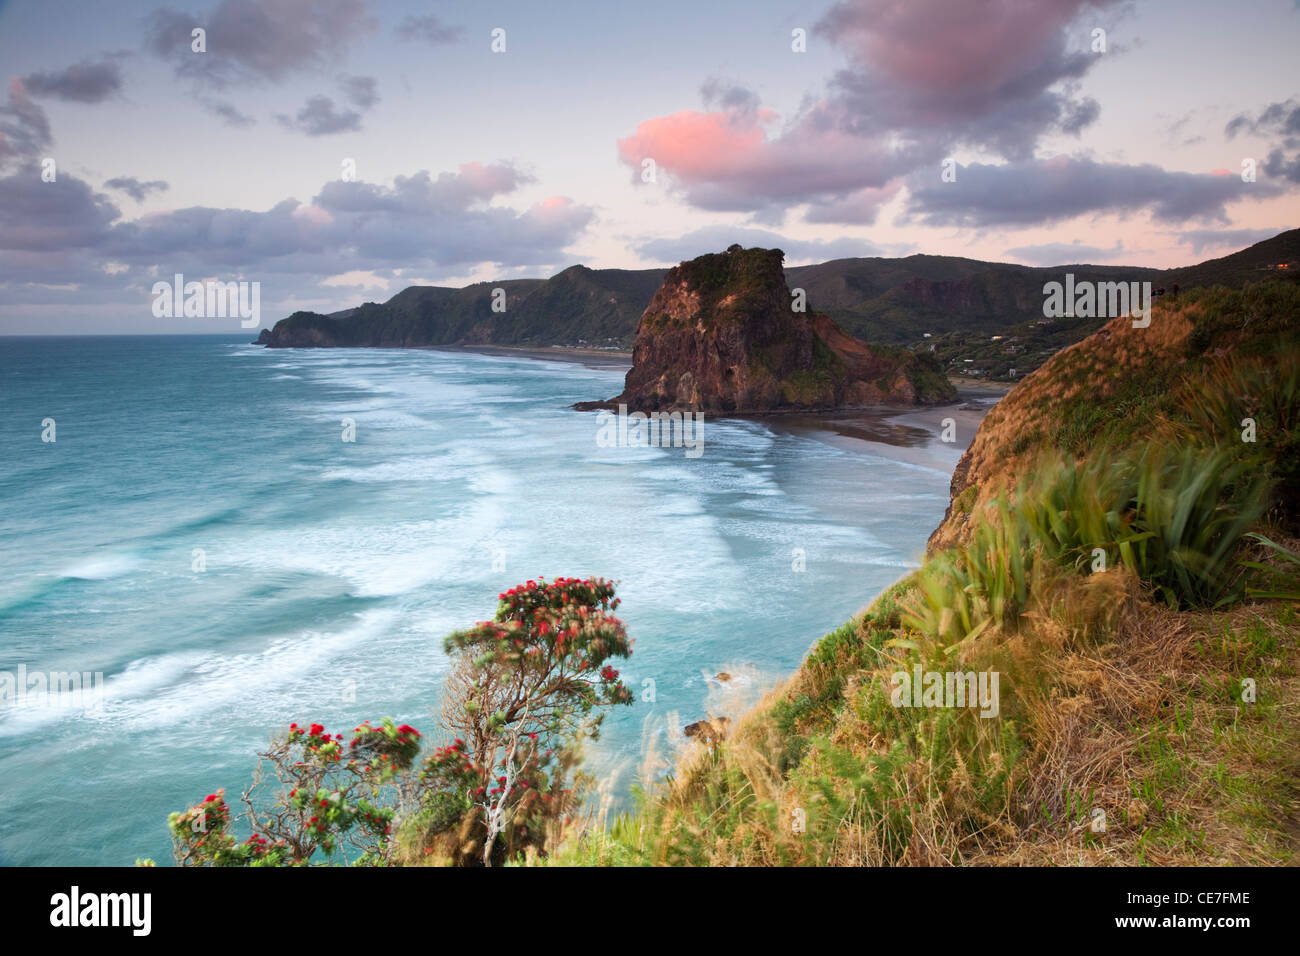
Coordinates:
[338,151]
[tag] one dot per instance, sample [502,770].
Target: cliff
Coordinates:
[722,335]
[1017,701]
[959,303]
[597,307]
[1119,384]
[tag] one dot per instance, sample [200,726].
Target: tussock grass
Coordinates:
[1129,572]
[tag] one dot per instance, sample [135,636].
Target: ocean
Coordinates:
[199,533]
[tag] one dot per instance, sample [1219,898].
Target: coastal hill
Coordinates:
[960,304]
[724,334]
[1094,665]
[1119,384]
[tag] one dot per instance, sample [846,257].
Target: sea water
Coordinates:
[199,534]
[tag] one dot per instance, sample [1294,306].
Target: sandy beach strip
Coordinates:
[912,434]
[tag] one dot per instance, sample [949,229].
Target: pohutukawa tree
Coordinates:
[525,690]
[332,801]
[527,687]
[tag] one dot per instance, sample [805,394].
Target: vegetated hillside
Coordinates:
[1022,347]
[1121,555]
[722,335]
[960,303]
[595,307]
[899,300]
[579,306]
[1119,383]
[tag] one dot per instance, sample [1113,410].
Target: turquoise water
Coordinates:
[332,570]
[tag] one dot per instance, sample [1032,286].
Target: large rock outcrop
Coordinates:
[722,335]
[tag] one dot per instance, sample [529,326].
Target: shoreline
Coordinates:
[605,359]
[906,433]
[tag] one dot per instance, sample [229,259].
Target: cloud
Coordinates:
[38,217]
[24,127]
[134,188]
[252,41]
[1233,239]
[1276,119]
[320,117]
[361,91]
[730,98]
[924,78]
[996,74]
[66,236]
[228,113]
[1065,253]
[84,82]
[428,29]
[717,238]
[727,161]
[1280,122]
[1279,166]
[1044,191]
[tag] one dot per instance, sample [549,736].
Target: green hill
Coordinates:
[948,305]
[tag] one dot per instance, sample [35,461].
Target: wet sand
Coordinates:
[607,359]
[908,433]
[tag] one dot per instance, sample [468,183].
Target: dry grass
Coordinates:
[1116,703]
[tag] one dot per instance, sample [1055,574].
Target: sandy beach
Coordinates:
[913,434]
[592,358]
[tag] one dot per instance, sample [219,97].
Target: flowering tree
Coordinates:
[332,799]
[526,688]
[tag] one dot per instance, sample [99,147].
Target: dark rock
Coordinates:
[722,336]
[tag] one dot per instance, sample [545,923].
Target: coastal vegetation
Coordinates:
[946,306]
[1119,563]
[1135,592]
[525,689]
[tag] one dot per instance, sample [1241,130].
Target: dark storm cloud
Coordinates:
[84,82]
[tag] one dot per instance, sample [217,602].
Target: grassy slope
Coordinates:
[1111,699]
[963,302]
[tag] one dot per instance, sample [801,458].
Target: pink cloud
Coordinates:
[695,145]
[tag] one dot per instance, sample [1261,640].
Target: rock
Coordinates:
[723,677]
[709,731]
[721,335]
